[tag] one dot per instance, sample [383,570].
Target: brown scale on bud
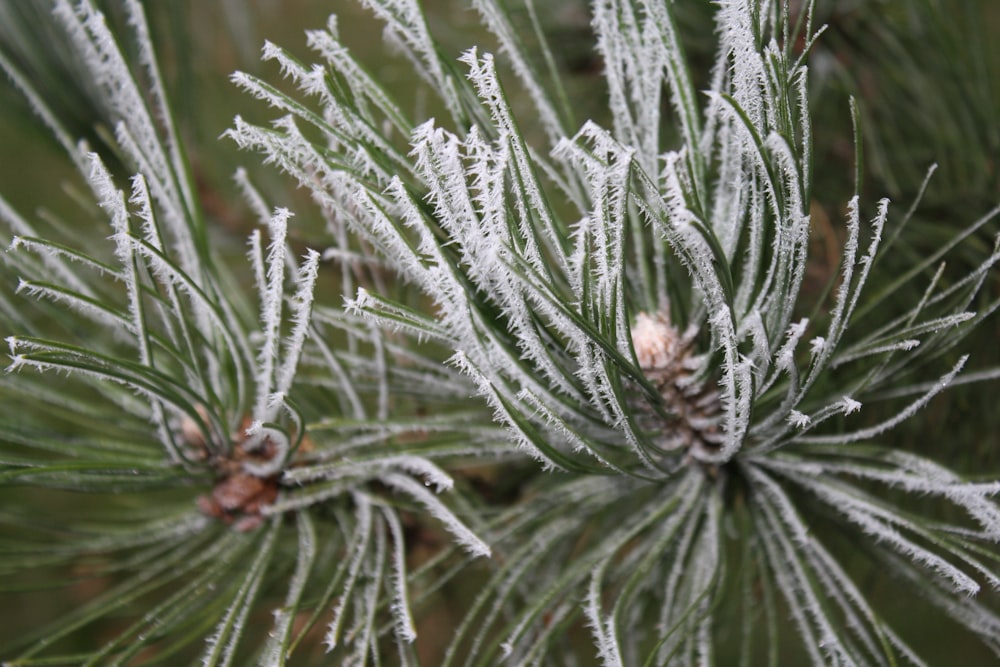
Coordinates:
[666,358]
[238,497]
[239,500]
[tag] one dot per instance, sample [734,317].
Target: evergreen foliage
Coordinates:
[581,360]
